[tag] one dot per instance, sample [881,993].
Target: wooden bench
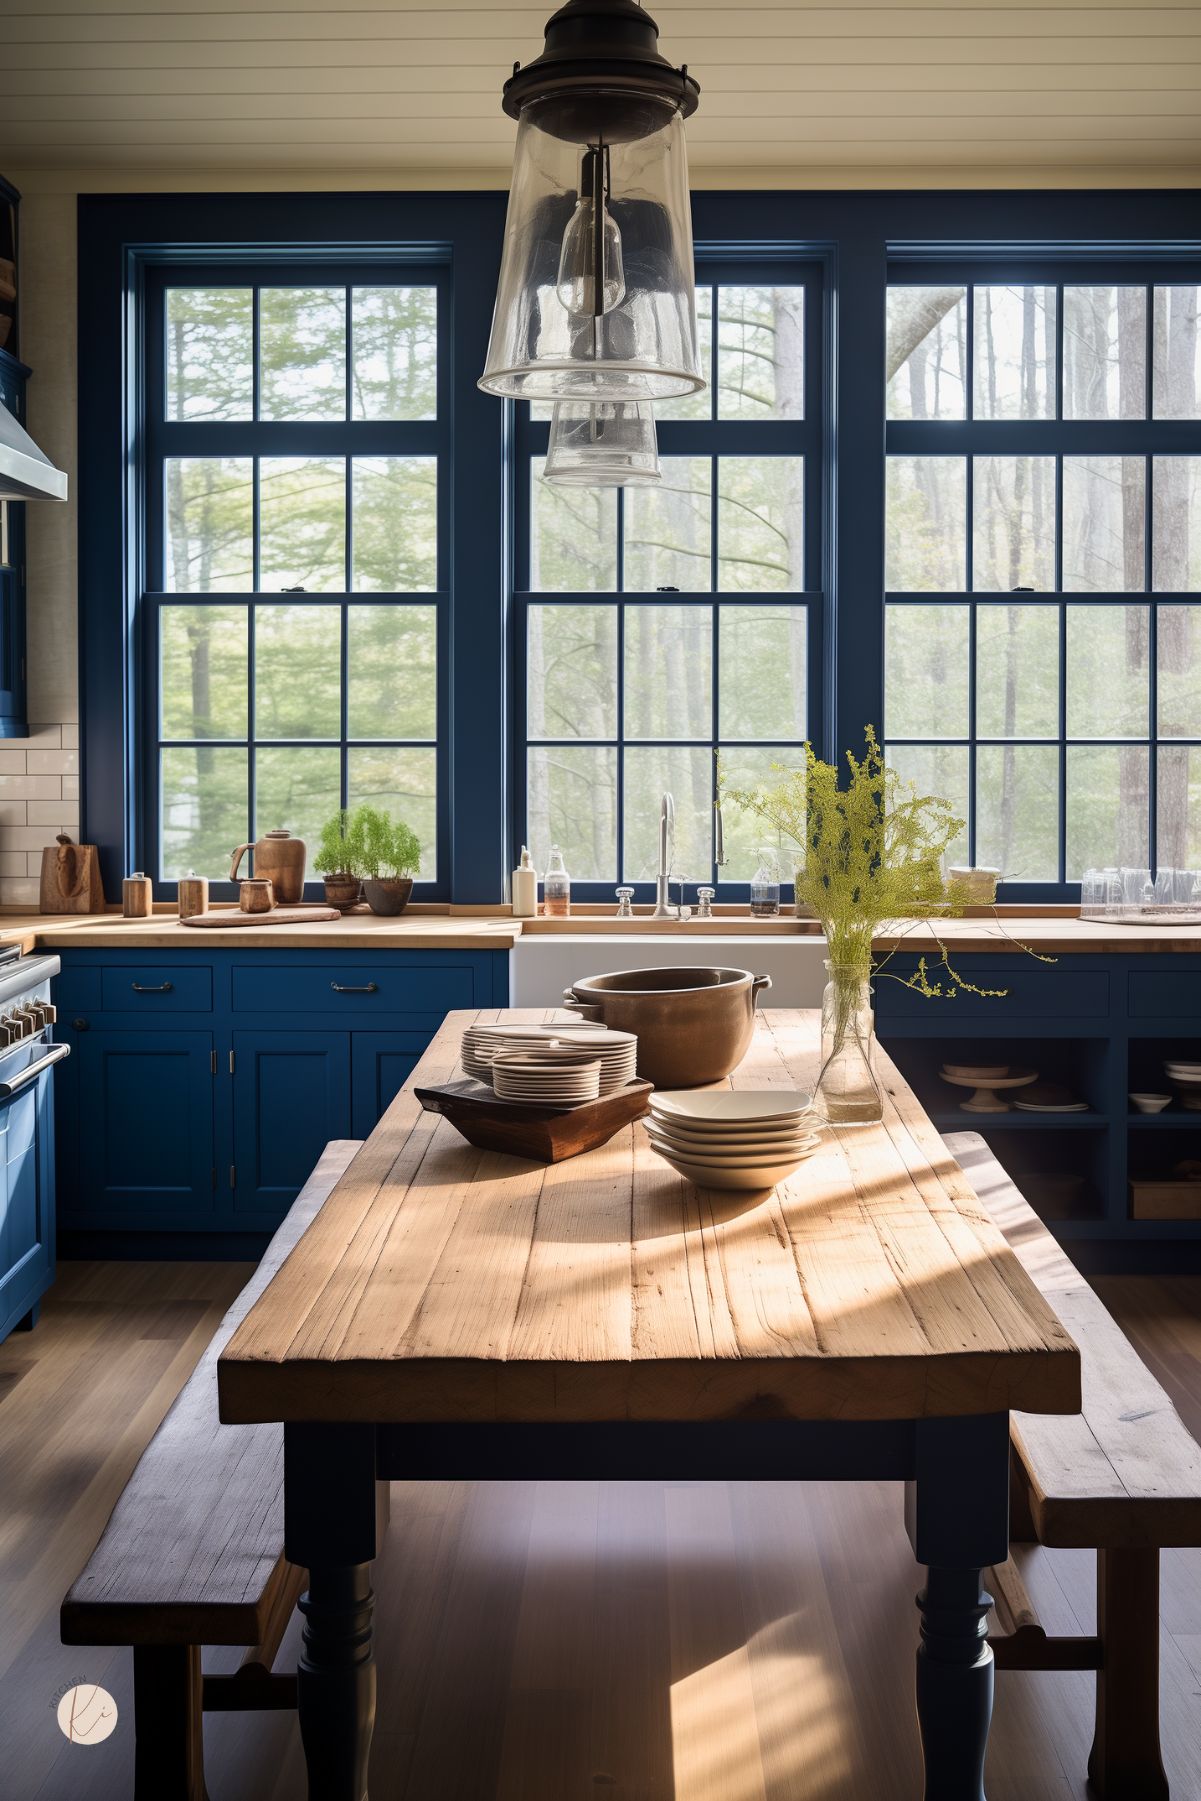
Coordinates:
[193,1554]
[1123,1478]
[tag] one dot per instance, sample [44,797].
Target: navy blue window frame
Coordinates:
[1054,437]
[853,236]
[165,438]
[711,439]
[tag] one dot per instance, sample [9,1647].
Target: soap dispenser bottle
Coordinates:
[556,886]
[525,887]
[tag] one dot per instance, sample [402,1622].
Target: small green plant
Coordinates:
[334,851]
[871,856]
[381,848]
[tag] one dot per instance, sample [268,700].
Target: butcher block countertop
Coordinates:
[1052,934]
[446,1283]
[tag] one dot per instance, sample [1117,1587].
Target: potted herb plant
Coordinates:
[872,856]
[334,861]
[388,853]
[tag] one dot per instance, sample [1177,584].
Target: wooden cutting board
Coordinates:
[279,916]
[71,880]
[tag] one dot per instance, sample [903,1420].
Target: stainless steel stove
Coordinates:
[28,1055]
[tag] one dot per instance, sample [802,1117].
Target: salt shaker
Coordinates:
[137,896]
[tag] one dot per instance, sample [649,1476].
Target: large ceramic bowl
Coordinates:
[693,1025]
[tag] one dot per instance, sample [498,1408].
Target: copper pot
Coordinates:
[693,1025]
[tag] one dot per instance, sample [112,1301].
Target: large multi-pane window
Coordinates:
[667,626]
[296,438]
[1043,565]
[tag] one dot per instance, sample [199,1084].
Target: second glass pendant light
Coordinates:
[611,444]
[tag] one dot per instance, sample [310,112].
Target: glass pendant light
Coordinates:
[596,300]
[609,445]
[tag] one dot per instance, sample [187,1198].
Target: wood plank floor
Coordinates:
[554,1642]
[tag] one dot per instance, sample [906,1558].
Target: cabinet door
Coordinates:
[26,1201]
[291,1096]
[380,1063]
[144,1123]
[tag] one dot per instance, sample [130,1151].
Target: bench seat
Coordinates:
[193,1554]
[1122,1477]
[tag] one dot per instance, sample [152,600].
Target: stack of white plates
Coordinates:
[744,1138]
[1186,1080]
[551,1076]
[617,1051]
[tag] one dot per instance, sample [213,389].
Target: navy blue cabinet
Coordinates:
[204,1085]
[291,1093]
[142,1101]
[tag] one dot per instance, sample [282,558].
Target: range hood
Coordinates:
[25,473]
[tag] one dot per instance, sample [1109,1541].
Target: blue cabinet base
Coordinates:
[204,1085]
[1101,1025]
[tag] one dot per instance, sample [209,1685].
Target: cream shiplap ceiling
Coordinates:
[966,93]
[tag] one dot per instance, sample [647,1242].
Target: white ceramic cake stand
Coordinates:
[985,1099]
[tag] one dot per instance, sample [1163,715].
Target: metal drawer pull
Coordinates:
[367,988]
[163,988]
[33,1071]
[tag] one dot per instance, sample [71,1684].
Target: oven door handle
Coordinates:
[32,1071]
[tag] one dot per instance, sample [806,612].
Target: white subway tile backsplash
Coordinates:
[70,787]
[61,815]
[12,762]
[31,787]
[53,762]
[27,837]
[14,862]
[43,737]
[12,812]
[70,737]
[18,892]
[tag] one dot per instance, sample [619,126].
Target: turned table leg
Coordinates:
[329,1528]
[957,1514]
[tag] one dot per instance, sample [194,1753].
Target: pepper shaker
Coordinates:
[137,896]
[193,895]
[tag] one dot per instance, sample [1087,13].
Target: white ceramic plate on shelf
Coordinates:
[731,1106]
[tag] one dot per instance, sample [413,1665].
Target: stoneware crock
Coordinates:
[388,894]
[693,1025]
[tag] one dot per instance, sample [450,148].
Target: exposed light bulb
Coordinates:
[591,277]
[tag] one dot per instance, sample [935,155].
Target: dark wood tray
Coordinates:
[542,1134]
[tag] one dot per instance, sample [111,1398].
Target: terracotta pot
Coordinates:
[342,891]
[388,894]
[693,1025]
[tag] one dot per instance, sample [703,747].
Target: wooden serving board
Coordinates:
[542,1134]
[278,916]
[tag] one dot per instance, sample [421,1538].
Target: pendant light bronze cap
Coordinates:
[610,44]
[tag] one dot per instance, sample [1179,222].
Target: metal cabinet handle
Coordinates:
[33,1071]
[367,988]
[79,1025]
[163,988]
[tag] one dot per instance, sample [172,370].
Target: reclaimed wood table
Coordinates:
[455,1312]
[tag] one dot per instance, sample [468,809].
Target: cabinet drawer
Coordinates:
[157,988]
[1036,991]
[1165,994]
[356,992]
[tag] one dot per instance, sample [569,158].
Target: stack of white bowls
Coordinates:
[553,1075]
[1186,1080]
[617,1051]
[741,1138]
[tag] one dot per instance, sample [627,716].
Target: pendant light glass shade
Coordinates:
[609,445]
[595,301]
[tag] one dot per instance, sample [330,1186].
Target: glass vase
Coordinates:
[847,1091]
